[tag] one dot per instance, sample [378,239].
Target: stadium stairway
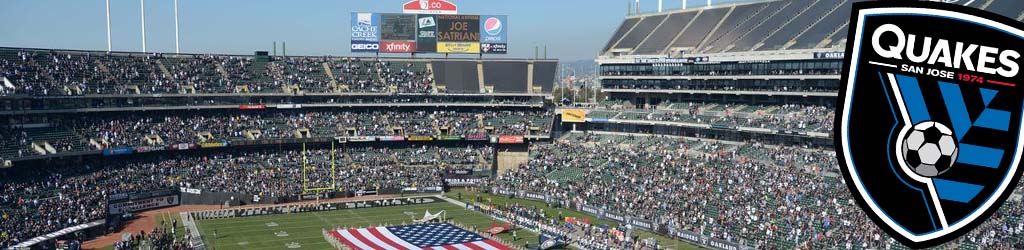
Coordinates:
[796,37]
[163,68]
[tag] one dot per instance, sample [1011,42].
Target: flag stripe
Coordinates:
[473,246]
[342,239]
[376,241]
[348,239]
[355,233]
[415,237]
[375,231]
[482,245]
[496,244]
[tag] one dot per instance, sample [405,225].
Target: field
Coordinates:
[280,231]
[469,195]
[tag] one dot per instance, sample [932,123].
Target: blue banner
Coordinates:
[365,27]
[493,29]
[118,151]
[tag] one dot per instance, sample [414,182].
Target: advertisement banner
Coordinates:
[391,138]
[532,196]
[128,206]
[493,29]
[574,115]
[830,55]
[419,138]
[361,138]
[458,28]
[591,210]
[252,106]
[430,7]
[289,106]
[426,33]
[144,149]
[365,32]
[458,47]
[213,144]
[477,137]
[397,47]
[493,48]
[613,216]
[365,27]
[397,27]
[183,146]
[449,137]
[365,47]
[118,151]
[510,139]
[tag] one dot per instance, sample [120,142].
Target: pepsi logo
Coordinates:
[492,26]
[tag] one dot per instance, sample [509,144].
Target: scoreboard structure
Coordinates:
[429,33]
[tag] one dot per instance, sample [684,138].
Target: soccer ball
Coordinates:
[930,149]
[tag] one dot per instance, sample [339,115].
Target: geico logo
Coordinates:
[365,46]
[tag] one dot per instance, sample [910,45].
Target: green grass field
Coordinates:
[468,196]
[305,228]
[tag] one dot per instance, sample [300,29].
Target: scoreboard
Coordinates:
[429,33]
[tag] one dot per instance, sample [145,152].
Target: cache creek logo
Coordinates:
[930,117]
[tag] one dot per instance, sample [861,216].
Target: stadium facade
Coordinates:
[279,129]
[753,61]
[90,138]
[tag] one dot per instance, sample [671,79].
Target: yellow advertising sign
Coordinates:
[458,47]
[573,115]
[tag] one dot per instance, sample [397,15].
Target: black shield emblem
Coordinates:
[929,124]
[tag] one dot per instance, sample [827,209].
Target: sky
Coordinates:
[571,29]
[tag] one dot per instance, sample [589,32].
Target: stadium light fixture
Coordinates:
[108,25]
[142,6]
[177,47]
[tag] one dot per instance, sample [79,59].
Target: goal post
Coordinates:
[318,166]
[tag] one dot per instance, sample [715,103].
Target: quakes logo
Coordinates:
[929,136]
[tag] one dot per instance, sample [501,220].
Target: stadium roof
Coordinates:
[758,26]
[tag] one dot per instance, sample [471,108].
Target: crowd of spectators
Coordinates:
[43,72]
[726,85]
[121,130]
[208,73]
[161,238]
[42,200]
[569,232]
[775,197]
[40,73]
[789,117]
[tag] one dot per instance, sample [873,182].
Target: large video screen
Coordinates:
[429,33]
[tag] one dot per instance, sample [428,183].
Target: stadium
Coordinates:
[700,127]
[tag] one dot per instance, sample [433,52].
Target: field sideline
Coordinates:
[260,232]
[469,194]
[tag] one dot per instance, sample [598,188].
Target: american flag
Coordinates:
[411,237]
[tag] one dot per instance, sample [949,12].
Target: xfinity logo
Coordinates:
[398,47]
